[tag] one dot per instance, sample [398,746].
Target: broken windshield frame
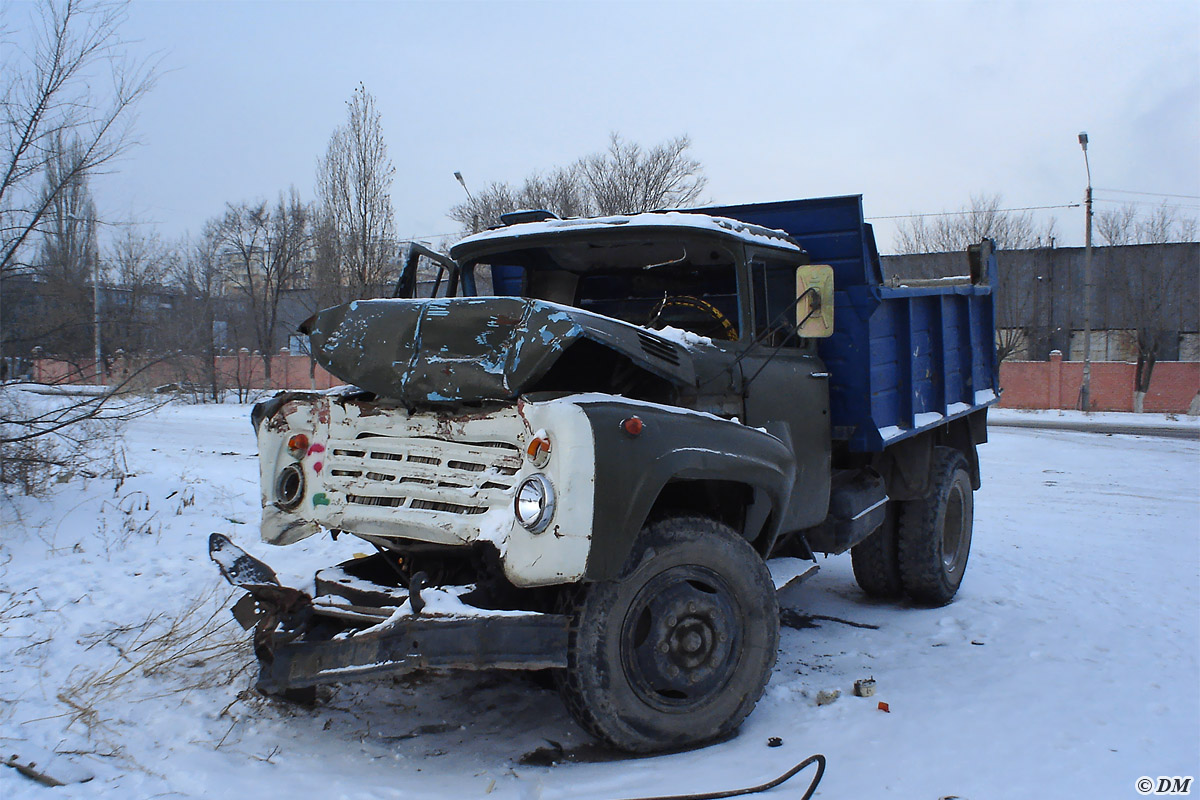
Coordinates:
[446,278]
[689,282]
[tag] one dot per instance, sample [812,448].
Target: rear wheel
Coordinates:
[876,561]
[934,534]
[678,649]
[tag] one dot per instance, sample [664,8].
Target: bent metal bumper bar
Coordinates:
[294,654]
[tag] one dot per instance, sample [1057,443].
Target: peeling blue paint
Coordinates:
[451,350]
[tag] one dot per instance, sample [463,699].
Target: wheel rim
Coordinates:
[954,525]
[681,638]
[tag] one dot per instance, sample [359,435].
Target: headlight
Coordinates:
[534,505]
[289,487]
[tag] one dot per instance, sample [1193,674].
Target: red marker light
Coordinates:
[632,426]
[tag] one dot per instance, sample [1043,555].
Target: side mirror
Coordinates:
[814,301]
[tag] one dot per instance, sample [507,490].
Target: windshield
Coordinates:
[687,284]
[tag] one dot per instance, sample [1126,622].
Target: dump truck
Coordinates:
[573,444]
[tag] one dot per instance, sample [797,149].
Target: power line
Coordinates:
[980,211]
[428,236]
[1151,194]
[1145,203]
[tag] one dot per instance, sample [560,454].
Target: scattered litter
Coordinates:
[977,642]
[884,707]
[827,696]
[774,741]
[864,687]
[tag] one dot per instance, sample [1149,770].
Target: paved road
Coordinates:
[1163,431]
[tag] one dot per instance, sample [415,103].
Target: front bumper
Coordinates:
[301,641]
[529,641]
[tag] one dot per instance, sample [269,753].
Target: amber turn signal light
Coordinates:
[298,445]
[632,425]
[538,451]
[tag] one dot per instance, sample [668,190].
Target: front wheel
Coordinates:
[678,649]
[934,536]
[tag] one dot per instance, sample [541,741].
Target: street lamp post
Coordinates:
[474,213]
[458,177]
[1085,389]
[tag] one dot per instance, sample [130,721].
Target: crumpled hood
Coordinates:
[471,348]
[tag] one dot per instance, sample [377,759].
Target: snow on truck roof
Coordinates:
[751,234]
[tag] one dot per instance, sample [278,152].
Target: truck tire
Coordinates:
[934,534]
[677,650]
[876,560]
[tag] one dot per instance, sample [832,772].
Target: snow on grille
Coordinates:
[423,474]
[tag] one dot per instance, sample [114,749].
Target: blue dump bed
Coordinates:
[902,359]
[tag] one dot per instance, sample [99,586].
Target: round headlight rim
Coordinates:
[291,472]
[547,504]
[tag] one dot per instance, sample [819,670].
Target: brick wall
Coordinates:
[1026,384]
[1055,384]
[241,369]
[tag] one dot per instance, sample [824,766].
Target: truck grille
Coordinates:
[422,473]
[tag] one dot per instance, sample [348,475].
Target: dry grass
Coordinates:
[188,650]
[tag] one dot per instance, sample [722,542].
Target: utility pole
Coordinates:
[1085,389]
[96,316]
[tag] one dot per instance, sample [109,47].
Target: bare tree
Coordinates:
[1147,295]
[1117,226]
[263,252]
[1143,303]
[197,275]
[562,191]
[624,179]
[1165,224]
[628,179]
[67,258]
[138,265]
[56,128]
[47,91]
[1013,308]
[984,218]
[355,230]
[1125,225]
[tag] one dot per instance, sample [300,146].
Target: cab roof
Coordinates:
[532,234]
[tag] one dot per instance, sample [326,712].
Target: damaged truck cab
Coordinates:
[584,462]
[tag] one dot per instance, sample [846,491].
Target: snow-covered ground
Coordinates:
[1111,420]
[1068,666]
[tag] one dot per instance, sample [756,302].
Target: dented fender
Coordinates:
[674,445]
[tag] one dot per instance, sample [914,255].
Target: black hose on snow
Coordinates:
[812,787]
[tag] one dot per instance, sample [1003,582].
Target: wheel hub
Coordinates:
[953,525]
[681,637]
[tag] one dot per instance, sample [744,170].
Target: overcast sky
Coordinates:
[915,105]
